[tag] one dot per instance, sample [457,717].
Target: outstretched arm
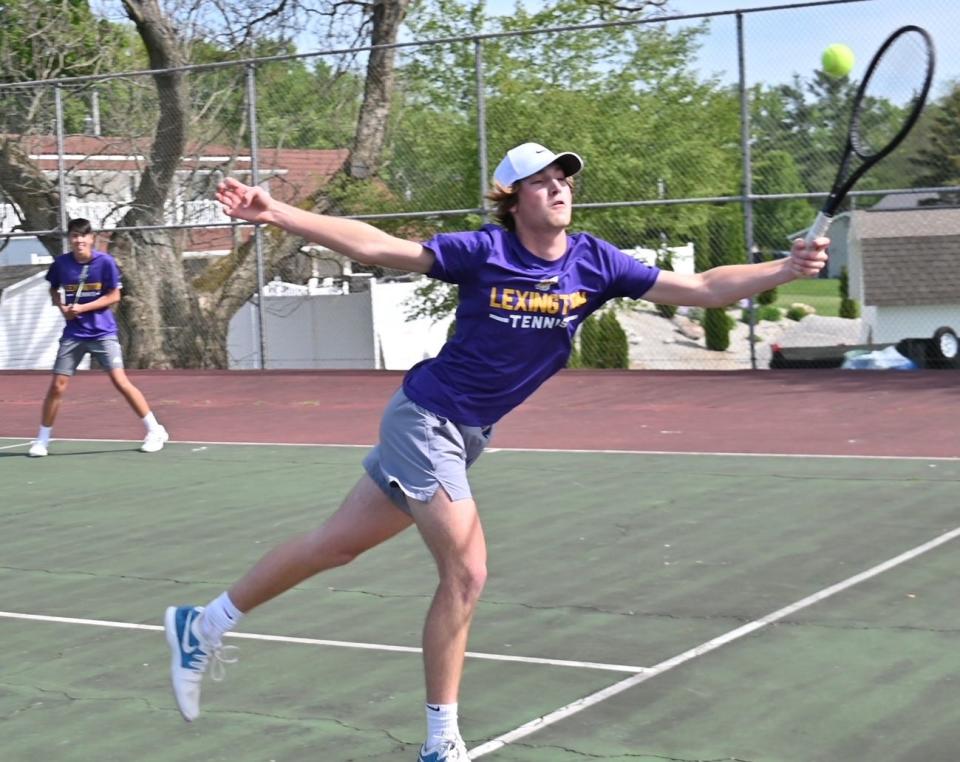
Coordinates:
[725,285]
[352,238]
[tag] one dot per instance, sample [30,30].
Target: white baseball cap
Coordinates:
[529,158]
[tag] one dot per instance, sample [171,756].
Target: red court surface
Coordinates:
[823,412]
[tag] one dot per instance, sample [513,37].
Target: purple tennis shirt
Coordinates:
[516,318]
[103,276]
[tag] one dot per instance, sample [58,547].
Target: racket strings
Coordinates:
[893,94]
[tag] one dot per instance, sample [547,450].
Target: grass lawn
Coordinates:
[823,294]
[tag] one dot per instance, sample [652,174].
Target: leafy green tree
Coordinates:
[776,172]
[630,88]
[938,161]
[807,119]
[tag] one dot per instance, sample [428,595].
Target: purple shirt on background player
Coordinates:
[103,276]
[516,318]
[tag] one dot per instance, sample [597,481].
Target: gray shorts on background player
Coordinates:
[106,351]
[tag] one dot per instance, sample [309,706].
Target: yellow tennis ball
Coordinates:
[837,60]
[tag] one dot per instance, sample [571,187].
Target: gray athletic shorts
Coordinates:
[420,451]
[106,351]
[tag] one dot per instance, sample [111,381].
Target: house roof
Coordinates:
[10,275]
[909,257]
[293,172]
[912,200]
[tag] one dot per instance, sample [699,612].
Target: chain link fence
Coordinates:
[695,157]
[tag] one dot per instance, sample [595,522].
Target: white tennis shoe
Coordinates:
[155,440]
[191,654]
[38,450]
[448,750]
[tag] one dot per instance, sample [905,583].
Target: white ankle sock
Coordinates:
[150,421]
[218,617]
[44,435]
[441,723]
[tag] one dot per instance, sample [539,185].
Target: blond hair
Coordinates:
[504,199]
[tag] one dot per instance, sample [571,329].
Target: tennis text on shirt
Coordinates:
[516,317]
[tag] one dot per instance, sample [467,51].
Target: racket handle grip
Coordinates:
[819,228]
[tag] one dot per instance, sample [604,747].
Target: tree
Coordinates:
[169,319]
[938,161]
[622,97]
[42,40]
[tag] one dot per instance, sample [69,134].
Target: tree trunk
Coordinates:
[371,131]
[164,326]
[32,191]
[229,283]
[167,320]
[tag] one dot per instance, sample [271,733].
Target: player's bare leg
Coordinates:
[156,434]
[131,393]
[54,398]
[365,519]
[453,533]
[51,406]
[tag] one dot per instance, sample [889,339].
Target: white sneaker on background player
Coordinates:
[155,440]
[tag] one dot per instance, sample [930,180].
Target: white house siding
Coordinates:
[308,331]
[30,326]
[403,343]
[367,329]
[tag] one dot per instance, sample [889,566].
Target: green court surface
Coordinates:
[606,564]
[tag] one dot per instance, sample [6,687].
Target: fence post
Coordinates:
[481,125]
[255,180]
[747,175]
[61,169]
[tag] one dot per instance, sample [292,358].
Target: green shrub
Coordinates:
[766,297]
[770,295]
[849,308]
[603,343]
[575,360]
[770,313]
[765,312]
[798,311]
[665,262]
[589,339]
[716,329]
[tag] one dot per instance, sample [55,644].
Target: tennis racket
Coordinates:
[885,108]
[84,274]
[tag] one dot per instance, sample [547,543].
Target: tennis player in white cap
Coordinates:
[525,285]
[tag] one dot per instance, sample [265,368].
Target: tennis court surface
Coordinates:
[683,566]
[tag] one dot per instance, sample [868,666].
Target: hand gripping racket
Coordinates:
[885,108]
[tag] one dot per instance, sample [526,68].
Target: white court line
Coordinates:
[196,441]
[698,453]
[18,444]
[332,643]
[704,648]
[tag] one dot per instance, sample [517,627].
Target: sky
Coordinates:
[779,43]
